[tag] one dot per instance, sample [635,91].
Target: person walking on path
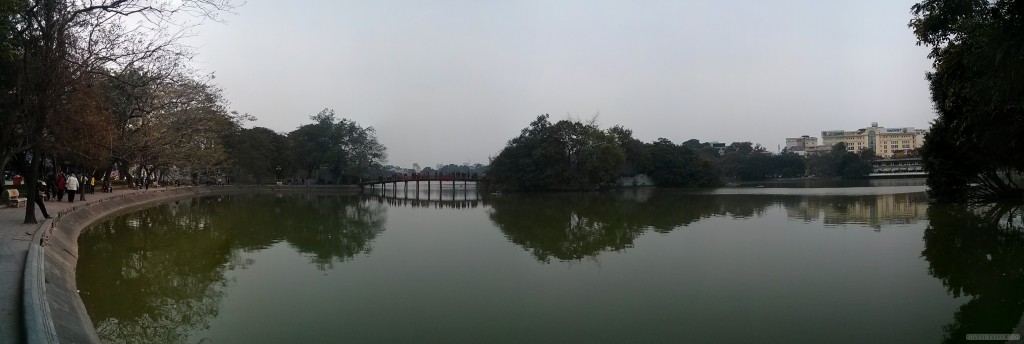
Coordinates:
[50,187]
[83,187]
[72,186]
[92,184]
[61,186]
[40,186]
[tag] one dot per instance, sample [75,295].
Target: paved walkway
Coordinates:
[14,242]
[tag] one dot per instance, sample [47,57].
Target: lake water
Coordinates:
[874,264]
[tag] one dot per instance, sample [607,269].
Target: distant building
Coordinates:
[813,150]
[719,146]
[416,167]
[800,145]
[885,142]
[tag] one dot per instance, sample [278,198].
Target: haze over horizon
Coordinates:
[452,81]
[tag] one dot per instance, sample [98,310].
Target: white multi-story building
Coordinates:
[799,145]
[885,142]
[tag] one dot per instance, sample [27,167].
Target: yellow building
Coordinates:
[886,142]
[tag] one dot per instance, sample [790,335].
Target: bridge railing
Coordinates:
[423,177]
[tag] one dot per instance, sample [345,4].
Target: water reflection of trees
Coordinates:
[575,226]
[564,227]
[326,227]
[572,226]
[157,275]
[978,252]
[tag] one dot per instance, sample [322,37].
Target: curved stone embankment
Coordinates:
[53,310]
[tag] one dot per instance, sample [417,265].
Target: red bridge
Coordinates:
[416,178]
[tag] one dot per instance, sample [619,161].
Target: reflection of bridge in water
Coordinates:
[430,203]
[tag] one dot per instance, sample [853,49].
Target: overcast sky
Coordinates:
[452,81]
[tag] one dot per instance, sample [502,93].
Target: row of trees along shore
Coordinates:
[87,84]
[329,150]
[94,86]
[974,151]
[573,155]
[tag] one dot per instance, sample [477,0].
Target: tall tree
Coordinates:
[12,132]
[977,49]
[342,146]
[679,166]
[60,41]
[637,158]
[258,152]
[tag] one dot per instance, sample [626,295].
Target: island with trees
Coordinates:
[573,155]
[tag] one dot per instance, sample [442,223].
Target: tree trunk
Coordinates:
[138,173]
[33,189]
[3,166]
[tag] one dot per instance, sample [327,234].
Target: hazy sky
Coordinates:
[452,81]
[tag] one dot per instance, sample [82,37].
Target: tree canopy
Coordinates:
[675,165]
[977,49]
[840,162]
[92,87]
[328,150]
[564,155]
[570,155]
[62,64]
[342,146]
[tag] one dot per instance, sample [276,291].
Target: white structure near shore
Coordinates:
[638,180]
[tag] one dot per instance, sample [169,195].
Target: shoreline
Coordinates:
[57,300]
[52,310]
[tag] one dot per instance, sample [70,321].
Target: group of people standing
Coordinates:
[70,184]
[56,186]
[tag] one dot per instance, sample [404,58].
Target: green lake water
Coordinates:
[871,264]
